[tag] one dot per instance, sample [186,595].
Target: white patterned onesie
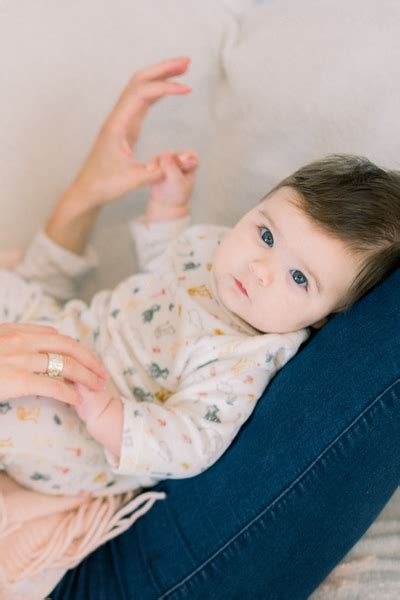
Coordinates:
[189,372]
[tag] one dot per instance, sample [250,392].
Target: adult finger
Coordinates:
[18,383]
[128,115]
[142,175]
[72,370]
[163,69]
[26,327]
[147,92]
[56,344]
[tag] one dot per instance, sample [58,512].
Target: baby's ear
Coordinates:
[320,323]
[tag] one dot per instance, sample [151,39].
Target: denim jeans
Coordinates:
[307,475]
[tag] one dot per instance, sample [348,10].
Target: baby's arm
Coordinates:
[103,414]
[167,213]
[188,431]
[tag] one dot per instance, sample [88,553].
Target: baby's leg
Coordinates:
[45,446]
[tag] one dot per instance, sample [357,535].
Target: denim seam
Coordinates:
[282,494]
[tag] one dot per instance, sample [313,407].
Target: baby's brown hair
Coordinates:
[352,199]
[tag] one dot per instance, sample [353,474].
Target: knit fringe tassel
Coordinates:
[63,540]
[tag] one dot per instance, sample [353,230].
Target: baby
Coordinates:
[192,340]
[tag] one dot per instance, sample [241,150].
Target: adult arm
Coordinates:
[110,170]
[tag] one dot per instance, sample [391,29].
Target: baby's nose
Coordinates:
[262,272]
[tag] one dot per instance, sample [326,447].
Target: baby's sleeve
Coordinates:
[188,432]
[151,240]
[57,270]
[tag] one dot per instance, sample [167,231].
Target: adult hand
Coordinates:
[111,169]
[24,360]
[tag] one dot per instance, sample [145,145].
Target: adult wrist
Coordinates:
[72,220]
[76,202]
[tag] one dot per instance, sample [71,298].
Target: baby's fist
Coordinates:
[103,414]
[92,404]
[174,190]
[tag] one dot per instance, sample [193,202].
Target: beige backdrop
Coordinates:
[276,83]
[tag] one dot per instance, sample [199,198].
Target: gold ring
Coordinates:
[55,365]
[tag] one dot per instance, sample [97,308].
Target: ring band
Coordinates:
[55,365]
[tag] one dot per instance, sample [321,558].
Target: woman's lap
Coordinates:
[304,479]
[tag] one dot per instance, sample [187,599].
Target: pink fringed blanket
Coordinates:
[42,536]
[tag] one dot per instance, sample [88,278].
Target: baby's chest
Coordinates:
[157,328]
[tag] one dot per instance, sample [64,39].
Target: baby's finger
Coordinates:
[91,404]
[171,167]
[163,69]
[188,160]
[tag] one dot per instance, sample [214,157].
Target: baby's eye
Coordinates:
[266,236]
[299,278]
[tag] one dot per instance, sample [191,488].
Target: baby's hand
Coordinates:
[103,414]
[170,196]
[111,169]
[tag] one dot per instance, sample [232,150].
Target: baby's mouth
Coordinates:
[240,286]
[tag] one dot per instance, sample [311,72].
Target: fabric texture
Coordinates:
[42,536]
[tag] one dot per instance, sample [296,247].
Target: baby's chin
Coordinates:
[272,326]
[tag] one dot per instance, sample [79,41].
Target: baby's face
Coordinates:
[276,270]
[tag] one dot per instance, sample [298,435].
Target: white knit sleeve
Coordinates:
[151,240]
[57,270]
